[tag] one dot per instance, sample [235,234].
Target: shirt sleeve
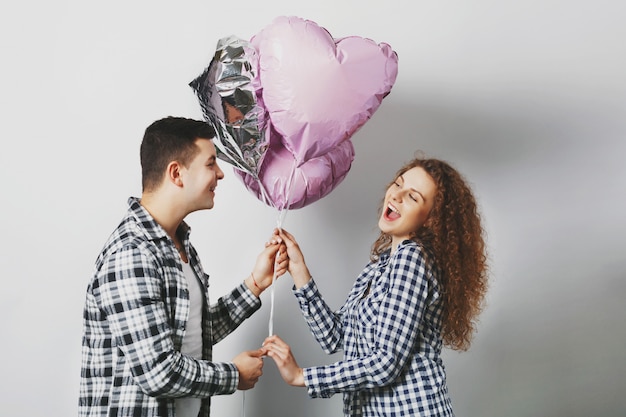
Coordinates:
[231,310]
[325,325]
[400,310]
[129,288]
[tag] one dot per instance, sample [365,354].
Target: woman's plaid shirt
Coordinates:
[136,310]
[390,337]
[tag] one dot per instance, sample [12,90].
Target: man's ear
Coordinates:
[174,174]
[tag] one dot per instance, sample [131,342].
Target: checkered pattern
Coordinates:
[136,310]
[390,338]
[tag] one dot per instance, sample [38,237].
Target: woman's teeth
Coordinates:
[392,212]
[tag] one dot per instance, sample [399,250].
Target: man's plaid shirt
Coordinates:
[136,310]
[390,337]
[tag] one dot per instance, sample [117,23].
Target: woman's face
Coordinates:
[408,202]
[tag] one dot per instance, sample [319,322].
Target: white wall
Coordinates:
[527,98]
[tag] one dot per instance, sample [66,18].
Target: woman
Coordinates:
[423,289]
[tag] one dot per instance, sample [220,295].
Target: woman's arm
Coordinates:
[399,312]
[324,324]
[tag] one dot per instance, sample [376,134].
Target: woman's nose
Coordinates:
[396,195]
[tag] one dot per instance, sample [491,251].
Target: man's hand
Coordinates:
[250,367]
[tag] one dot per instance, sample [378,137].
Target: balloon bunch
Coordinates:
[286,103]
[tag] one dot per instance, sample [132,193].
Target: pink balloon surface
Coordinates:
[318,90]
[286,104]
[288,186]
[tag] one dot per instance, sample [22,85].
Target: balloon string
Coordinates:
[266,199]
[279,223]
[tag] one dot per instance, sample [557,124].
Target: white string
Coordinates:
[279,223]
[266,199]
[272,295]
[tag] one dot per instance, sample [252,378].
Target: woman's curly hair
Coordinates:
[454,235]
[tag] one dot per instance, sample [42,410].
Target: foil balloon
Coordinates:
[317,90]
[283,184]
[228,91]
[286,104]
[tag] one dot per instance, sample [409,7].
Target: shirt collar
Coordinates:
[384,257]
[153,230]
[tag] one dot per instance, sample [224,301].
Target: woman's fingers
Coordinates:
[283,233]
[274,341]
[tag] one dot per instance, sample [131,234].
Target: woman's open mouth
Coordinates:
[391,213]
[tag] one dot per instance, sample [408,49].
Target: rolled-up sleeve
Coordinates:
[231,310]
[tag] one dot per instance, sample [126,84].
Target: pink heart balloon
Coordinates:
[283,185]
[319,91]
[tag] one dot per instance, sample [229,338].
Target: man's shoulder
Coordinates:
[129,234]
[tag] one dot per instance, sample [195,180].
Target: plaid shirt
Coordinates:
[390,337]
[136,310]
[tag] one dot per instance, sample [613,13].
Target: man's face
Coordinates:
[201,176]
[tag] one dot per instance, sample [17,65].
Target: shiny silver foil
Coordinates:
[230,96]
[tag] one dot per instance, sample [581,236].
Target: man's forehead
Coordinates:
[206,149]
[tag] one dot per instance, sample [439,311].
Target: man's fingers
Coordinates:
[257,353]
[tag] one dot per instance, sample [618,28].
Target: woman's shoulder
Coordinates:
[414,253]
[409,248]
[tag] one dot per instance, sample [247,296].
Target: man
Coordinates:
[148,324]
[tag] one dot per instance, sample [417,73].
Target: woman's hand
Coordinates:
[280,351]
[297,266]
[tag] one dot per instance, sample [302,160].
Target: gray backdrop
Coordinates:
[526,98]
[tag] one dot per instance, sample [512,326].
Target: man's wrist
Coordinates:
[253,285]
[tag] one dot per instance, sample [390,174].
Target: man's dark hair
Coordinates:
[166,140]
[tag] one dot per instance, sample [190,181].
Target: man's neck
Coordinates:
[164,212]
